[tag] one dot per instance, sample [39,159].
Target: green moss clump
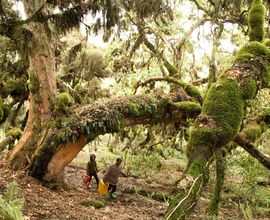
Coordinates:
[95,203]
[51,124]
[15,133]
[63,101]
[197,167]
[191,108]
[201,137]
[251,51]
[256,19]
[220,120]
[193,91]
[263,126]
[252,132]
[248,88]
[43,156]
[34,83]
[266,43]
[224,104]
[134,109]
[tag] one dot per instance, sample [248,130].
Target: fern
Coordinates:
[10,206]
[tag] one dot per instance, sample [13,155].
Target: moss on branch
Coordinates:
[256,20]
[107,117]
[257,58]
[190,89]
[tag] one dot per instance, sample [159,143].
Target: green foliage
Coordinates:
[34,83]
[15,133]
[16,88]
[95,203]
[10,206]
[67,20]
[151,108]
[63,101]
[143,163]
[266,43]
[256,19]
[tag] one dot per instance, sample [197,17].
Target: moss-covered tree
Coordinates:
[55,131]
[223,110]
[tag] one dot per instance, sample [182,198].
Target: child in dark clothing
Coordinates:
[91,169]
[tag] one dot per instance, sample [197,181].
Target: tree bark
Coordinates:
[42,92]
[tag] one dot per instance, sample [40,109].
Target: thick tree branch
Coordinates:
[189,89]
[251,149]
[84,125]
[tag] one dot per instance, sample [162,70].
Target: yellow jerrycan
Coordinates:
[102,188]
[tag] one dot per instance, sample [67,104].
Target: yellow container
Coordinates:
[102,188]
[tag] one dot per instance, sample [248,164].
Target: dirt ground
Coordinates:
[43,203]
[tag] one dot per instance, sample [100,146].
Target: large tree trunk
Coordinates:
[42,88]
[50,142]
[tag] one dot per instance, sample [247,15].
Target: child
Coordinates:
[111,176]
[91,169]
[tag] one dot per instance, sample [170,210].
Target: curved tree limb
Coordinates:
[253,151]
[68,136]
[189,89]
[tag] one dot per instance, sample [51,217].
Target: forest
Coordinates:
[178,89]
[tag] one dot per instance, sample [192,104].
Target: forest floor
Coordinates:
[138,199]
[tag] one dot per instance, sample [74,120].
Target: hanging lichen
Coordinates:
[67,20]
[256,19]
